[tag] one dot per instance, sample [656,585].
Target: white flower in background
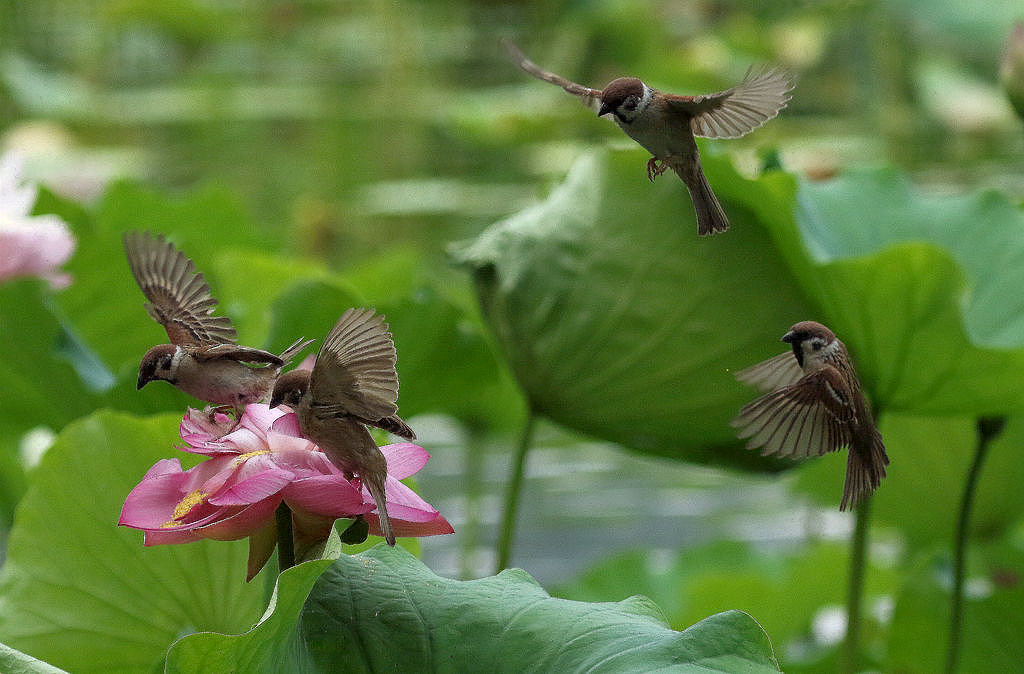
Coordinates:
[29,245]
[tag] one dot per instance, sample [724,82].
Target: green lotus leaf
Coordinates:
[620,322]
[921,288]
[383,610]
[80,593]
[16,662]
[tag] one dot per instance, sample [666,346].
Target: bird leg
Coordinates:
[211,412]
[225,409]
[655,167]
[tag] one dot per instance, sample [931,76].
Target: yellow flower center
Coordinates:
[242,458]
[184,507]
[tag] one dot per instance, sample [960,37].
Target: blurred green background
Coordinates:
[338,149]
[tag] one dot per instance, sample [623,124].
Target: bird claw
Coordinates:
[655,167]
[212,412]
[225,410]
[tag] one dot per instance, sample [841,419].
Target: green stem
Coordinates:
[515,488]
[858,562]
[285,542]
[473,467]
[988,429]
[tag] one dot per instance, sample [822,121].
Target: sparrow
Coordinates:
[665,124]
[353,384]
[203,359]
[815,405]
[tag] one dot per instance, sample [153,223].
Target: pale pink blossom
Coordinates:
[29,245]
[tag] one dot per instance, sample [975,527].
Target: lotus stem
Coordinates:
[988,430]
[515,488]
[285,542]
[854,599]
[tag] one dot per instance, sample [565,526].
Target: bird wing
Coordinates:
[354,374]
[737,111]
[179,298]
[589,97]
[809,418]
[768,375]
[244,354]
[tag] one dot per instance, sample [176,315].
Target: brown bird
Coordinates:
[665,124]
[203,358]
[353,384]
[815,406]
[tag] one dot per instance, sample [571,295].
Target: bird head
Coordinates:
[626,98]
[811,341]
[290,388]
[160,362]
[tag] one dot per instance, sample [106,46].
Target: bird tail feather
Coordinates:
[865,468]
[711,217]
[395,425]
[376,489]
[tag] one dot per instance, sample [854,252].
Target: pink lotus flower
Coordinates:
[251,470]
[29,245]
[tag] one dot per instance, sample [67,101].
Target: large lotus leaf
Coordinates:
[383,610]
[40,384]
[921,491]
[992,619]
[81,593]
[16,662]
[620,322]
[922,288]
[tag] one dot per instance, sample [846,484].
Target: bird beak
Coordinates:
[605,109]
[276,397]
[789,337]
[143,380]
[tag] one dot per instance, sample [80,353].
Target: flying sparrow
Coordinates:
[815,406]
[665,124]
[203,358]
[352,385]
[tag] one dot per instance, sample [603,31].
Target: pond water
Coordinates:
[585,500]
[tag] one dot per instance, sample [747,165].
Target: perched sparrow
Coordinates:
[815,406]
[665,124]
[202,359]
[353,384]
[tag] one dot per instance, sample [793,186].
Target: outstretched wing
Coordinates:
[737,111]
[589,97]
[355,372]
[768,375]
[809,418]
[179,298]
